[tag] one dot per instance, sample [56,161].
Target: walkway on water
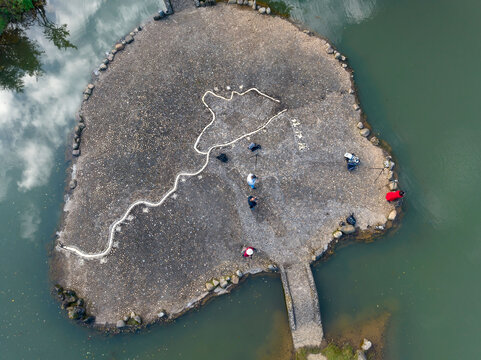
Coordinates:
[302,305]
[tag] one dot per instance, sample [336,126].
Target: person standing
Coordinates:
[251,180]
[252,201]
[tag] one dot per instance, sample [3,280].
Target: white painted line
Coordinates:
[147,203]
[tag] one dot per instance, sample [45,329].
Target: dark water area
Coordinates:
[415,69]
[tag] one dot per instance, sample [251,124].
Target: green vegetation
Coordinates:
[13,10]
[333,352]
[19,55]
[3,23]
[304,352]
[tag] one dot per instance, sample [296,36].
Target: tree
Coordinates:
[19,55]
[14,10]
[58,34]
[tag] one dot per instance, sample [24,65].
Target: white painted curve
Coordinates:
[84,255]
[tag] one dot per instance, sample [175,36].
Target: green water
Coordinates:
[415,67]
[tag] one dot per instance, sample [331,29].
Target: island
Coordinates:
[156,217]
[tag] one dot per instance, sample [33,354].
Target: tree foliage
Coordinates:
[19,55]
[58,34]
[13,10]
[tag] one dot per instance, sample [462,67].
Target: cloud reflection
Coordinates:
[330,16]
[38,161]
[35,123]
[29,222]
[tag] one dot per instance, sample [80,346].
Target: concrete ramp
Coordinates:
[302,305]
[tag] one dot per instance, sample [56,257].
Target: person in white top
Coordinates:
[251,180]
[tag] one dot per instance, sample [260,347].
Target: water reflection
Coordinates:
[329,17]
[19,56]
[36,121]
[29,222]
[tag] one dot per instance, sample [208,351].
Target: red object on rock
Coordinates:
[394,195]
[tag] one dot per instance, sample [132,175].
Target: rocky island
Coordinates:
[157,215]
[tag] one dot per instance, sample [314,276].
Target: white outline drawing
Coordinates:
[147,203]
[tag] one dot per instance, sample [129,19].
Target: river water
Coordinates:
[415,68]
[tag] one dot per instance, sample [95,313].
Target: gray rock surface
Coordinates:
[223,283]
[73,184]
[392,215]
[347,229]
[366,345]
[209,286]
[337,234]
[365,132]
[142,121]
[120,324]
[360,355]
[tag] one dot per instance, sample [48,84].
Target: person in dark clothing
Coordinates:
[253,147]
[222,157]
[351,220]
[252,201]
[352,161]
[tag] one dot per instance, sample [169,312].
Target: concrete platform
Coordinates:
[143,119]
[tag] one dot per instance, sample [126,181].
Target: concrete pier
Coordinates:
[302,305]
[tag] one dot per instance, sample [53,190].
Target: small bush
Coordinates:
[333,352]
